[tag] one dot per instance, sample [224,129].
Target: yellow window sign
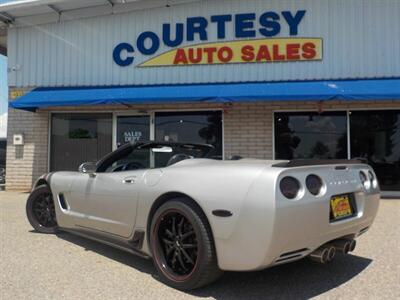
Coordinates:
[14,94]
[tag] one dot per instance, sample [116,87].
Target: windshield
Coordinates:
[151,155]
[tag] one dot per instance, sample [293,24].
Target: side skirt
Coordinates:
[128,246]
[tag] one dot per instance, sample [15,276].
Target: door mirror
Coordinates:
[88,167]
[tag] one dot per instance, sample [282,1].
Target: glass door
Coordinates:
[131,129]
[78,138]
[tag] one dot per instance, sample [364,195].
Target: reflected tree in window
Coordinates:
[375,138]
[191,127]
[310,135]
[319,150]
[79,133]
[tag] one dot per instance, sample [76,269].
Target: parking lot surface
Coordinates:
[37,266]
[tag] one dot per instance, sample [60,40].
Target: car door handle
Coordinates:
[129,180]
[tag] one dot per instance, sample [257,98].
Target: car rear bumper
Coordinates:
[292,231]
[310,227]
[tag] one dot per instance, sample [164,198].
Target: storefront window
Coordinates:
[78,138]
[131,129]
[191,127]
[375,138]
[311,135]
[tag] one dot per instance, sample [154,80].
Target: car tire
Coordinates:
[40,210]
[193,262]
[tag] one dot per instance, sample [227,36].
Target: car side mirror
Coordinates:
[88,167]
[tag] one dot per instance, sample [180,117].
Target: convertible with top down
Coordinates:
[196,216]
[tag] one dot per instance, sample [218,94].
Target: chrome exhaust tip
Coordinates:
[343,246]
[353,244]
[321,255]
[331,253]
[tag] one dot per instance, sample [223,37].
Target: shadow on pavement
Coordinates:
[299,280]
[139,263]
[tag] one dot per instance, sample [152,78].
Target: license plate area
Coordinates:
[342,207]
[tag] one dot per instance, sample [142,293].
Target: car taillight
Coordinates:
[314,184]
[372,179]
[290,187]
[364,180]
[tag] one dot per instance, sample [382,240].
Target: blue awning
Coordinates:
[381,89]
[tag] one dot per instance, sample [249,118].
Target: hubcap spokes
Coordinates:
[178,243]
[44,211]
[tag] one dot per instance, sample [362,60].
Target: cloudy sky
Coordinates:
[3,96]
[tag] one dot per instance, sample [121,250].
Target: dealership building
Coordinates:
[267,79]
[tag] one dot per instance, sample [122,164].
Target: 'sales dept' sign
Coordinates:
[248,47]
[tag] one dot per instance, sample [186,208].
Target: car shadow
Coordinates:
[303,279]
[139,263]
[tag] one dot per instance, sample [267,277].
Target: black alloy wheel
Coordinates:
[178,242]
[40,210]
[182,245]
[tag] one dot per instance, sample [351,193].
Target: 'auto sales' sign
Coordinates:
[246,48]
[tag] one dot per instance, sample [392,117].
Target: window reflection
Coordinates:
[310,135]
[78,138]
[191,127]
[375,138]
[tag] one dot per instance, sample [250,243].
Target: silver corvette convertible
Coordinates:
[196,216]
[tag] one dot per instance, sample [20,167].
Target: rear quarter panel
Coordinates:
[236,187]
[212,187]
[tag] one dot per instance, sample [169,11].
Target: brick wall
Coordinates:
[248,131]
[26,163]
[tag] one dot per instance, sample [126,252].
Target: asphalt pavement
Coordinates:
[37,266]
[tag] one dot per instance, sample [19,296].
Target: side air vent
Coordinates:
[292,254]
[62,201]
[288,258]
[222,213]
[363,230]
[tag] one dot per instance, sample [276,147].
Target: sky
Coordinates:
[3,96]
[3,91]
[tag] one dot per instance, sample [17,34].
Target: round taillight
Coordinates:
[371,176]
[290,187]
[364,180]
[314,184]
[372,179]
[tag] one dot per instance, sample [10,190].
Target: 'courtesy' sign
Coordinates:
[263,37]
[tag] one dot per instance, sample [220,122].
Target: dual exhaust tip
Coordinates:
[326,253]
